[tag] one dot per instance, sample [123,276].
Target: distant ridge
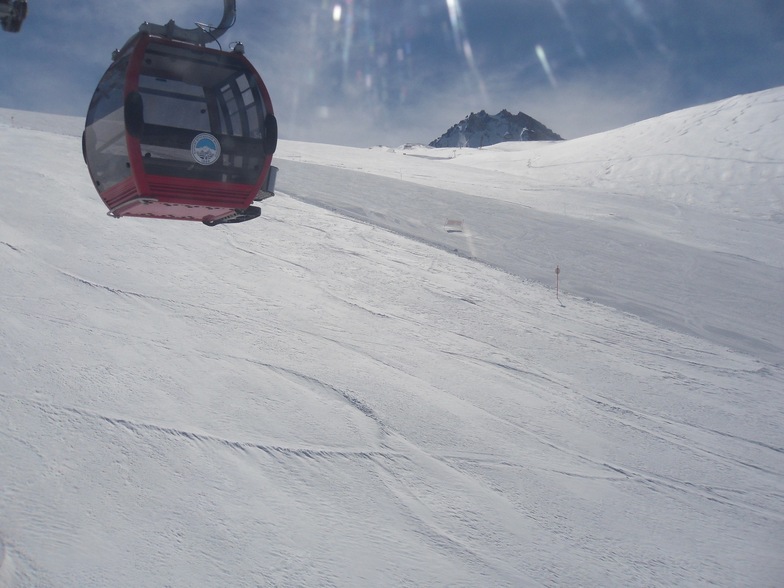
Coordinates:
[482,129]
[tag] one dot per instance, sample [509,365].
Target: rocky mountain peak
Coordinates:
[481,129]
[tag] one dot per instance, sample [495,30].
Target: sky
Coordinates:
[344,393]
[368,72]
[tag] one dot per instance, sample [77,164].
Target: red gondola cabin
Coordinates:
[181,131]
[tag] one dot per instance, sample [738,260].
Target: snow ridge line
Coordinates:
[11,246]
[344,395]
[310,453]
[678,487]
[307,452]
[607,408]
[352,400]
[146,297]
[102,286]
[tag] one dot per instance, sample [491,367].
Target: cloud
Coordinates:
[397,76]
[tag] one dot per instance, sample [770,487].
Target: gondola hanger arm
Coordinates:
[198,36]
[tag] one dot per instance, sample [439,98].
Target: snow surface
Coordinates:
[343,393]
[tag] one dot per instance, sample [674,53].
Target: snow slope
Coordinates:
[684,212]
[330,396]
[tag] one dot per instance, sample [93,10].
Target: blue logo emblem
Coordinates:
[205,149]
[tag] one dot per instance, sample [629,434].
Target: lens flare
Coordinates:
[542,56]
[456,20]
[638,13]
[348,35]
[463,45]
[567,22]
